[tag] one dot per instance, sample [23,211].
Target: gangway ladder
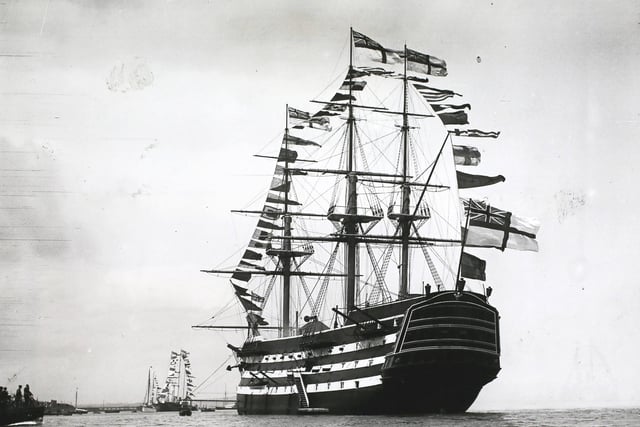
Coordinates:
[303,399]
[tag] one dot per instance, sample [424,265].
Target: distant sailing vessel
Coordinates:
[374,179]
[178,389]
[152,392]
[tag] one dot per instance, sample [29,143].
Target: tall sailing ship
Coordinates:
[178,388]
[358,288]
[151,393]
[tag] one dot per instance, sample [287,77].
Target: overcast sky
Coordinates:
[126,135]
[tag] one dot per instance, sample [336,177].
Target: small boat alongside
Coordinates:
[185,409]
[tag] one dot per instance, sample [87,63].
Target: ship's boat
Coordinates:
[358,285]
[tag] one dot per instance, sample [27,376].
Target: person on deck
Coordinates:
[28,396]
[19,396]
[4,396]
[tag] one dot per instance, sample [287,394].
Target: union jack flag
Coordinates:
[432,94]
[491,227]
[480,213]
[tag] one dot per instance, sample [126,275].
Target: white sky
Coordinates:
[112,201]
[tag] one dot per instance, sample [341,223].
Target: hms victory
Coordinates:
[358,285]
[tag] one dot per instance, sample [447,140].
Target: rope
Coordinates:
[325,284]
[213,373]
[304,285]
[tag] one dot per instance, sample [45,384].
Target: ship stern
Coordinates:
[447,349]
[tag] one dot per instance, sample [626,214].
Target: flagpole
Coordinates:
[464,241]
[350,52]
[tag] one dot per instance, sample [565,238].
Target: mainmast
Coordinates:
[350,222]
[285,257]
[404,218]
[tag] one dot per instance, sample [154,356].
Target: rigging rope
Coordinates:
[432,267]
[304,285]
[325,284]
[212,374]
[381,286]
[267,293]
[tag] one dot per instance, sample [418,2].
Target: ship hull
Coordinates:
[28,414]
[354,402]
[167,407]
[436,387]
[423,355]
[380,400]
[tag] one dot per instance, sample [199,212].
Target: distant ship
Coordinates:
[151,393]
[369,193]
[56,408]
[178,388]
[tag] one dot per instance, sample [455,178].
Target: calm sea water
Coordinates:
[551,418]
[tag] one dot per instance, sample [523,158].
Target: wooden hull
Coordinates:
[425,354]
[12,415]
[167,407]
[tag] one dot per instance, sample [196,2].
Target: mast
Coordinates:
[285,257]
[350,224]
[405,220]
[147,395]
[156,389]
[176,388]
